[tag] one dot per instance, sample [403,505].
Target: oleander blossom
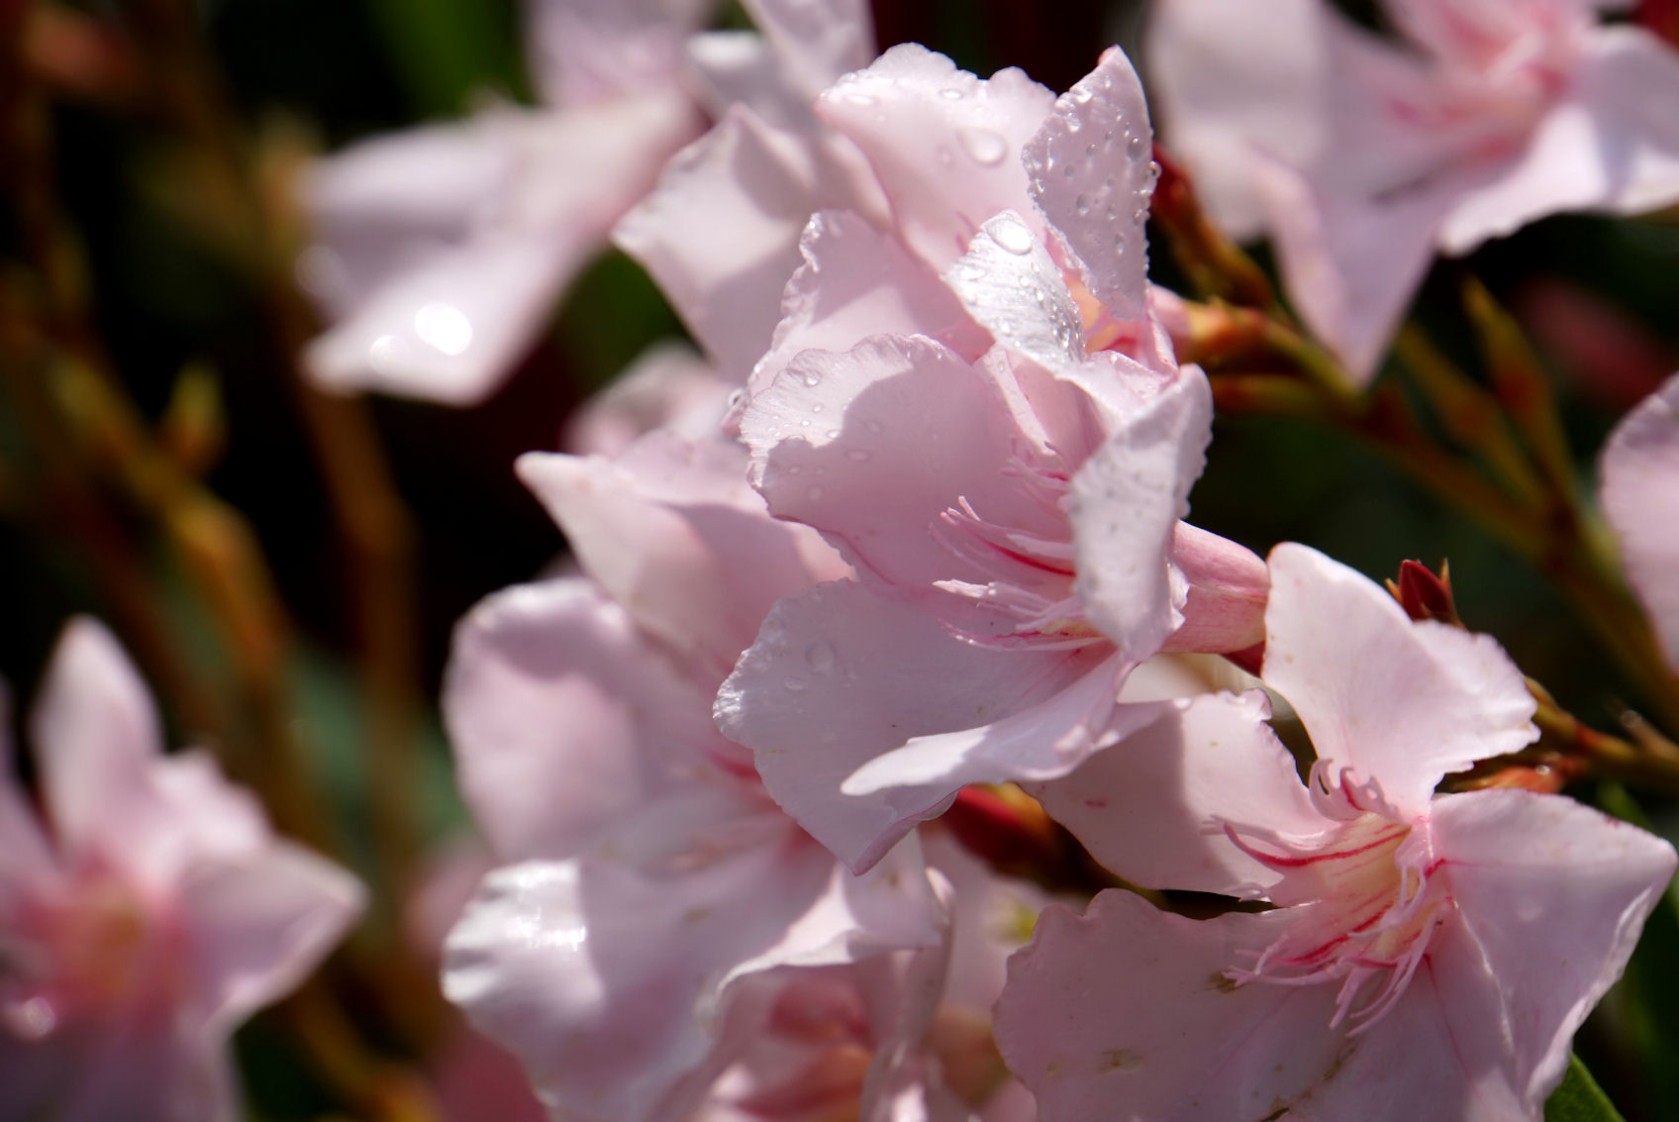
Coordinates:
[1003,452]
[1421,956]
[144,914]
[439,252]
[661,940]
[1362,156]
[1640,492]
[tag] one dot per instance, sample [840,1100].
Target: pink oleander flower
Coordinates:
[1362,157]
[144,914]
[440,251]
[1005,468]
[1641,500]
[659,926]
[1422,955]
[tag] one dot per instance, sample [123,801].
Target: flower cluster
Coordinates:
[891,744]
[931,543]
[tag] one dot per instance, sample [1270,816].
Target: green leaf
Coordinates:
[1580,1099]
[449,51]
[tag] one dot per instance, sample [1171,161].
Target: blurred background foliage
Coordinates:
[144,257]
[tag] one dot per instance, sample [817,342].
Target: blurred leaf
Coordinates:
[448,51]
[1580,1099]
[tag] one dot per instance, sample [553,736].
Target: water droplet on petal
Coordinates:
[1136,146]
[443,327]
[821,657]
[873,425]
[861,99]
[812,378]
[1011,234]
[951,93]
[1082,205]
[33,1018]
[985,146]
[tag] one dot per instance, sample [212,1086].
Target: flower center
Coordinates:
[96,947]
[1032,571]
[1362,903]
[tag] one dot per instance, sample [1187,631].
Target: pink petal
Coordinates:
[856,282]
[96,738]
[720,234]
[1228,586]
[1125,505]
[668,385]
[1125,1012]
[871,447]
[816,40]
[1555,895]
[1010,285]
[606,984]
[1628,79]
[672,530]
[585,51]
[1041,740]
[260,925]
[1351,264]
[561,717]
[1230,79]
[450,329]
[378,207]
[1641,500]
[1091,177]
[1400,703]
[1153,809]
[912,104]
[840,675]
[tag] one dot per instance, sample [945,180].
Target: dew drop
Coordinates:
[1010,235]
[816,407]
[812,378]
[443,327]
[33,1018]
[951,93]
[986,147]
[1136,146]
[1082,205]
[821,657]
[861,99]
[873,425]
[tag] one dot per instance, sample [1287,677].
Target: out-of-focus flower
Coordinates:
[1006,467]
[1424,956]
[1641,500]
[660,924]
[1362,157]
[144,915]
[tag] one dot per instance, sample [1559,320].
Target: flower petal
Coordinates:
[96,739]
[1400,703]
[1091,175]
[912,104]
[840,675]
[1641,500]
[1125,505]
[1555,894]
[561,717]
[1153,809]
